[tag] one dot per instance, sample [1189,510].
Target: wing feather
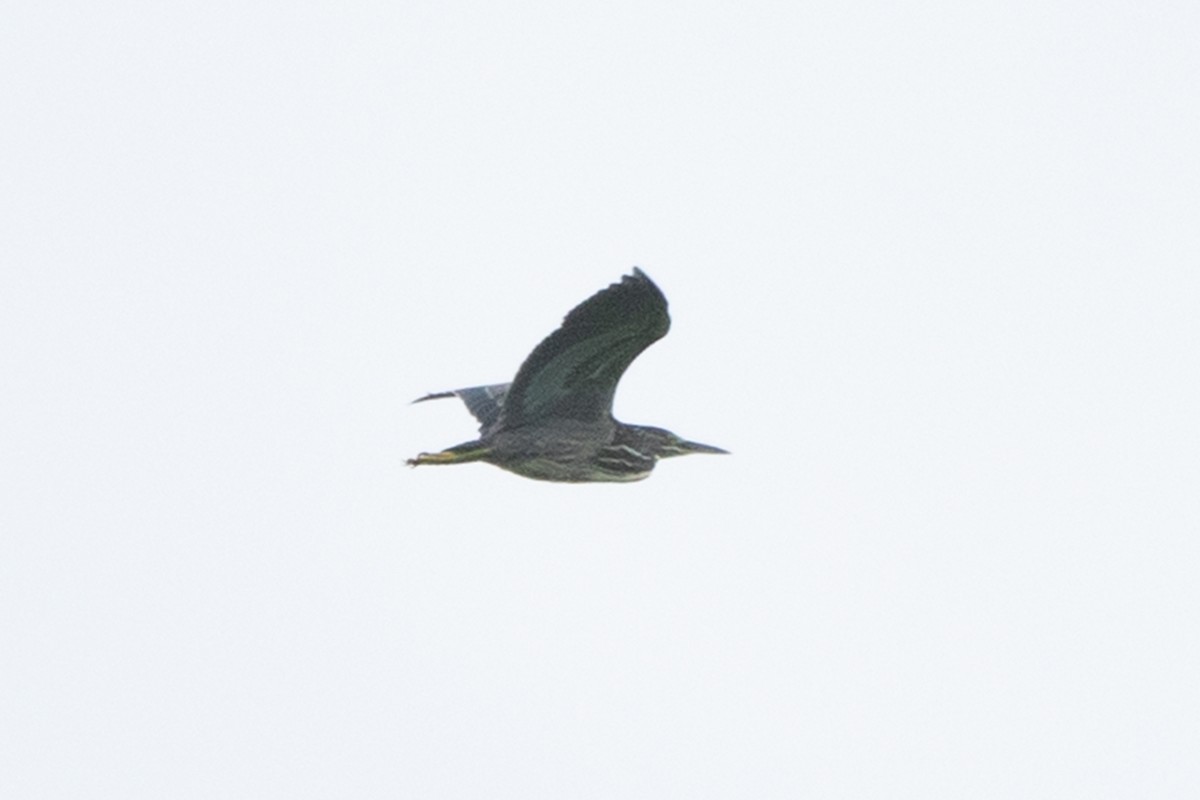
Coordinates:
[484,402]
[574,372]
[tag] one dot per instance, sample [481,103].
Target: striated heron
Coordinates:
[554,421]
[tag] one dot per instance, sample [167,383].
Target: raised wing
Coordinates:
[574,372]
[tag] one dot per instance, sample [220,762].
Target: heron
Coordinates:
[554,421]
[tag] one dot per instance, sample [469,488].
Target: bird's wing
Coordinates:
[484,402]
[573,373]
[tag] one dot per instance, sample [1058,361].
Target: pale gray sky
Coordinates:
[933,271]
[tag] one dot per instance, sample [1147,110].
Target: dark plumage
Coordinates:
[554,421]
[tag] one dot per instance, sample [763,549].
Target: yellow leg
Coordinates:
[453,455]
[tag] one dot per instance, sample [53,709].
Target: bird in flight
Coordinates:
[554,421]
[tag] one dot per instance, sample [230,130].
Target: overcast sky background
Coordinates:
[934,274]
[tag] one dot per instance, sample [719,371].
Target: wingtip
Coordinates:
[638,275]
[432,396]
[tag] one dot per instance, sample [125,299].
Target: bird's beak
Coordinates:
[696,447]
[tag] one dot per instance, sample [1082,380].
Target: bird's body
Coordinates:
[559,450]
[554,421]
